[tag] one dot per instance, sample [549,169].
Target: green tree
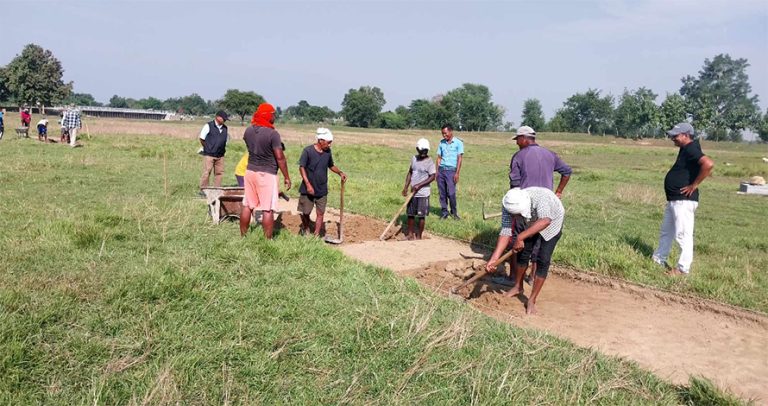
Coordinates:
[391,120]
[361,107]
[299,111]
[672,111]
[719,98]
[587,112]
[426,114]
[307,113]
[82,99]
[637,114]
[317,114]
[5,94]
[533,116]
[35,76]
[403,112]
[194,104]
[472,107]
[241,103]
[118,102]
[557,123]
[762,130]
[150,103]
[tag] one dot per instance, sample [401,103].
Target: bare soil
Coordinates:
[673,335]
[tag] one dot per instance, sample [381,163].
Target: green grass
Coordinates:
[116,289]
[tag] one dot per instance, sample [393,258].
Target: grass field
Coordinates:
[115,288]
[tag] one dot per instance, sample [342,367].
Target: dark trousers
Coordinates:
[447,188]
[545,253]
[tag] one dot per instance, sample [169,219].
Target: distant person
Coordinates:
[26,118]
[71,121]
[681,187]
[534,165]
[240,169]
[265,156]
[449,155]
[544,212]
[2,123]
[420,174]
[64,129]
[42,130]
[213,139]
[314,163]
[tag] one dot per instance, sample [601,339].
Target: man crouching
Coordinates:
[543,212]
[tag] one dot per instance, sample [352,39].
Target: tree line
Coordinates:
[718,101]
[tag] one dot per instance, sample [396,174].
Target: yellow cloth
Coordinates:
[242,165]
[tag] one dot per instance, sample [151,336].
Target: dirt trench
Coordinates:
[673,335]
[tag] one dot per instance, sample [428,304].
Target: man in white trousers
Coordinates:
[681,186]
[71,121]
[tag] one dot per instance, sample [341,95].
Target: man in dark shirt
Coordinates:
[681,187]
[213,139]
[265,157]
[314,163]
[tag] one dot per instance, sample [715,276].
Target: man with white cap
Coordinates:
[420,174]
[314,163]
[543,213]
[681,187]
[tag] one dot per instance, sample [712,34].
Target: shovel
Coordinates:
[407,199]
[482,273]
[331,240]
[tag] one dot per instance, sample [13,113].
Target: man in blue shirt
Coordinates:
[449,155]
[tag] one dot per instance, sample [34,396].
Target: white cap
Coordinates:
[517,201]
[525,130]
[324,134]
[422,143]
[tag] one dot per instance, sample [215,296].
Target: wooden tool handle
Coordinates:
[407,199]
[483,272]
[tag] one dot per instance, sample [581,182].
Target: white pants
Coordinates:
[677,225]
[72,136]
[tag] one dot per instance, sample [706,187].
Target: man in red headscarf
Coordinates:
[265,156]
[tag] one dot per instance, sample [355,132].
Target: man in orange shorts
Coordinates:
[265,156]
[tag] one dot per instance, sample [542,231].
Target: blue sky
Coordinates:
[317,50]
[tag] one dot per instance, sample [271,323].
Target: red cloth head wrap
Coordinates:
[263,116]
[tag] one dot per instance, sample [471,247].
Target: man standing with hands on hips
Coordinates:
[449,155]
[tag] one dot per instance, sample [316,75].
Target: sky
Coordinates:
[289,51]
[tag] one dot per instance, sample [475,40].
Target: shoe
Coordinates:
[661,263]
[201,194]
[444,216]
[676,272]
[455,216]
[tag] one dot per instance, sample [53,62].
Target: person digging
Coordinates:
[420,175]
[543,213]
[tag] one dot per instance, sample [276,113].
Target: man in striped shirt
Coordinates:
[543,214]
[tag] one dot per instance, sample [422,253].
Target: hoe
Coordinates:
[332,240]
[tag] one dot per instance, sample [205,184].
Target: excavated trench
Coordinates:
[674,335]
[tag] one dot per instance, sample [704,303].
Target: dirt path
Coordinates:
[671,335]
